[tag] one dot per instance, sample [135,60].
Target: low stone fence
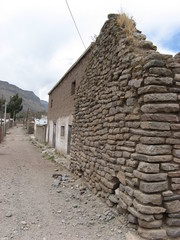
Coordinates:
[126,129]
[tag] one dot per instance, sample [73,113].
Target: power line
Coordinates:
[75,25]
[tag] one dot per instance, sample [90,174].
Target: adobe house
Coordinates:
[126,128]
[61,105]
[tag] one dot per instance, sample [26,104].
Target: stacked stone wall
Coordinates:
[126,129]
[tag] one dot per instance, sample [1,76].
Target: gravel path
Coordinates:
[34,205]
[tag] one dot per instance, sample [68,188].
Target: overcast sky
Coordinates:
[39,41]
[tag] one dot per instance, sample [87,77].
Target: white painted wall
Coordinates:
[61,141]
[50,132]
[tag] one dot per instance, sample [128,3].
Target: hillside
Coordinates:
[30,100]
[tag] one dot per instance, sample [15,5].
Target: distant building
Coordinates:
[61,105]
[40,126]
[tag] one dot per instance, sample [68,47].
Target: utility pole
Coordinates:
[5,106]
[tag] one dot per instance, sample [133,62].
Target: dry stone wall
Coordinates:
[126,130]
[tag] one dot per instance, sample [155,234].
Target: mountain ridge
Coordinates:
[30,100]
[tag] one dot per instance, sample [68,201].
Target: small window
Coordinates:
[62,131]
[51,103]
[73,87]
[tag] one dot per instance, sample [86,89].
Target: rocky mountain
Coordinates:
[30,100]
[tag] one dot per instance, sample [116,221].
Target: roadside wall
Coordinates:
[126,129]
[40,133]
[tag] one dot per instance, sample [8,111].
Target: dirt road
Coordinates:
[36,206]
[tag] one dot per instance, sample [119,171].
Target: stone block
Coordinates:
[150,133]
[174,174]
[136,83]
[160,71]
[152,140]
[175,180]
[176,152]
[158,81]
[174,215]
[169,166]
[173,232]
[175,126]
[152,234]
[109,184]
[151,159]
[172,207]
[173,221]
[167,193]
[155,125]
[154,63]
[148,167]
[153,224]
[152,89]
[121,177]
[122,204]
[160,117]
[125,198]
[176,160]
[113,198]
[160,97]
[175,186]
[153,149]
[152,187]
[129,190]
[132,219]
[155,199]
[147,209]
[155,108]
[172,141]
[158,216]
[172,197]
[141,216]
[150,177]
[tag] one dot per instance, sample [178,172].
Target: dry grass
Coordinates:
[128,25]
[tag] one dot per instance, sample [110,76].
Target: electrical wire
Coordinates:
[75,24]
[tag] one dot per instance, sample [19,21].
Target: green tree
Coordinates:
[2,102]
[14,106]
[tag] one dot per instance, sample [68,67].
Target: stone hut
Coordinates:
[126,128]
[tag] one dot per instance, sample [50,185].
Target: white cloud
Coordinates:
[39,41]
